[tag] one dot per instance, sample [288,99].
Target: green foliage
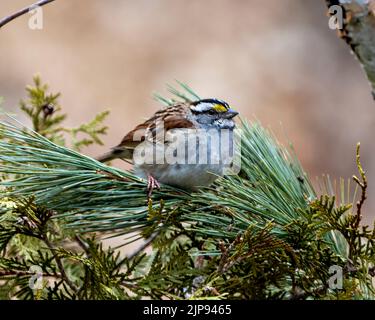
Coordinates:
[45,112]
[262,234]
[31,238]
[93,130]
[42,108]
[85,271]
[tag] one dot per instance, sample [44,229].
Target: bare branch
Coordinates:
[358,31]
[23,11]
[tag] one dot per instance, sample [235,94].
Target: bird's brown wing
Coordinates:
[169,118]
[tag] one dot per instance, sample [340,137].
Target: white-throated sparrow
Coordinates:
[186,145]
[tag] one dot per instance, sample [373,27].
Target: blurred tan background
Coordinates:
[275,60]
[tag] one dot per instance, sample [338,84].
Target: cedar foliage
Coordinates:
[265,233]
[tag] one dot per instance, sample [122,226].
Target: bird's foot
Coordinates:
[152,183]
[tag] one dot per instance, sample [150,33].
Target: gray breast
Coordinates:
[190,158]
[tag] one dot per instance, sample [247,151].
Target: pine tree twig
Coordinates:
[363,185]
[223,264]
[112,176]
[83,245]
[27,273]
[143,246]
[60,265]
[23,11]
[127,284]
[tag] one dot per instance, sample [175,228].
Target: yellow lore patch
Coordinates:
[219,108]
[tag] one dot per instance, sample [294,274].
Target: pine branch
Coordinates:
[261,234]
[23,11]
[76,178]
[27,273]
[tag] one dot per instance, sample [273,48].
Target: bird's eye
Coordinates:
[212,111]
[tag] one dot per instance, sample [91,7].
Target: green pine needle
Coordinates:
[263,233]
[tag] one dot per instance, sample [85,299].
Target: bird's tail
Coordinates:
[124,154]
[108,156]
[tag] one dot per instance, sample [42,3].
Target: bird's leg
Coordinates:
[152,183]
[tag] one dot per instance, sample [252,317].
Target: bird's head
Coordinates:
[213,112]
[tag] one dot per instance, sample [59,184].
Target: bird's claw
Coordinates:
[152,183]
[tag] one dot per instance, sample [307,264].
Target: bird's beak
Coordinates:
[230,114]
